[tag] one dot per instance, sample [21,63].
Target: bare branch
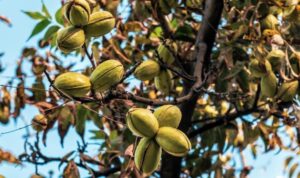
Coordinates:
[222,120]
[140,99]
[90,56]
[38,158]
[204,43]
[14,130]
[118,52]
[55,88]
[129,72]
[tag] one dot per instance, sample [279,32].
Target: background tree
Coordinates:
[235,74]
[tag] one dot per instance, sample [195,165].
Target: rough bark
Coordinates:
[171,166]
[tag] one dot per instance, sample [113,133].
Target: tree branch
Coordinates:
[90,56]
[55,88]
[37,155]
[115,94]
[140,99]
[177,57]
[161,18]
[181,74]
[129,72]
[171,166]
[222,120]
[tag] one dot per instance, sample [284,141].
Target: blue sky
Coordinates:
[12,40]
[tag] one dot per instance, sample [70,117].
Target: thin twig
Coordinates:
[26,88]
[225,119]
[90,56]
[15,130]
[119,53]
[179,73]
[162,19]
[177,58]
[65,95]
[82,100]
[45,160]
[129,72]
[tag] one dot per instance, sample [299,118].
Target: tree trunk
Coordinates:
[171,166]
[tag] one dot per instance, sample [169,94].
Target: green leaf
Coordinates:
[39,27]
[253,151]
[201,165]
[221,138]
[50,31]
[113,135]
[45,11]
[95,50]
[35,15]
[243,80]
[157,33]
[221,83]
[98,134]
[185,32]
[229,173]
[80,122]
[59,16]
[209,138]
[174,24]
[53,40]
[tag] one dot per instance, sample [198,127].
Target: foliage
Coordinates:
[227,104]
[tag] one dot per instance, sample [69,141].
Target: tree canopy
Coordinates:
[174,88]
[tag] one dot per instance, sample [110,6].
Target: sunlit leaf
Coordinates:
[51,31]
[35,15]
[98,134]
[45,11]
[80,120]
[39,28]
[59,16]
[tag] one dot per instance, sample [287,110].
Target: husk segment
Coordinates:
[147,70]
[147,155]
[173,141]
[100,24]
[77,12]
[73,84]
[168,116]
[70,39]
[142,122]
[106,75]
